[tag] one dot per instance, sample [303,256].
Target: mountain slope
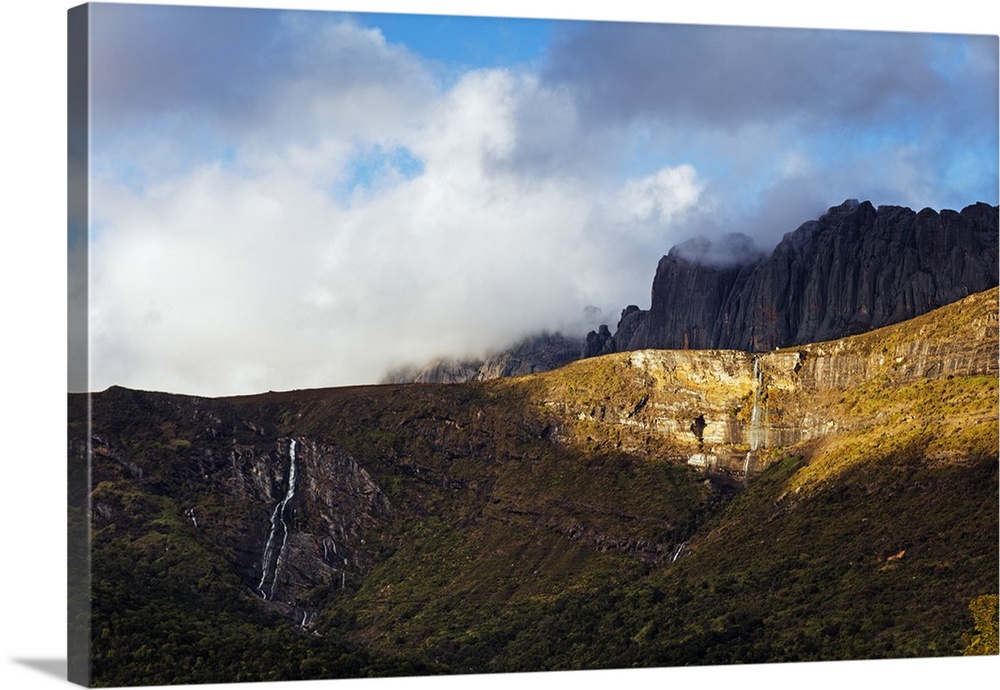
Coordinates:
[835,500]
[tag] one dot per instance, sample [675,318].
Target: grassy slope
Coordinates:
[866,543]
[821,558]
[500,523]
[510,552]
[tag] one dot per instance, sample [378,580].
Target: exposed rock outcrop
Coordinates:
[319,501]
[603,342]
[289,513]
[854,269]
[716,409]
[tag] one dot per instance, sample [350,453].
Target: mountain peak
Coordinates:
[853,269]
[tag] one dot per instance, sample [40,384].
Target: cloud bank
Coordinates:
[288,199]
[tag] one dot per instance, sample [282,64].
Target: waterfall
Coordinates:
[327,544]
[756,413]
[277,522]
[756,418]
[678,551]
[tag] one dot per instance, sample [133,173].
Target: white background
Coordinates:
[32,474]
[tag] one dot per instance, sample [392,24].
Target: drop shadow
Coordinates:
[50,667]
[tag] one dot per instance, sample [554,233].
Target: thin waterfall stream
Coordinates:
[756,416]
[271,560]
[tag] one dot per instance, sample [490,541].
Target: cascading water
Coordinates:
[277,522]
[756,430]
[756,416]
[328,545]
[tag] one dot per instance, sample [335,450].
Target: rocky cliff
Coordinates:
[721,409]
[854,269]
[288,513]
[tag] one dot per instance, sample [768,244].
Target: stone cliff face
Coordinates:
[722,409]
[855,269]
[289,513]
[319,503]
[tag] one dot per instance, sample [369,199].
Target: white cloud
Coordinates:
[343,211]
[660,196]
[253,274]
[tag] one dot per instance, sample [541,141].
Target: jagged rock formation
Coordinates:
[542,352]
[854,269]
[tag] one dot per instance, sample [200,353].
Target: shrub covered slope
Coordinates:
[556,521]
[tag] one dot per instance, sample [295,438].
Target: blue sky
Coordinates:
[464,42]
[285,199]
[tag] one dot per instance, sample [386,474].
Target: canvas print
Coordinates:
[416,345]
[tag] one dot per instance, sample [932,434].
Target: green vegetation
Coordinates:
[532,526]
[942,421]
[170,611]
[984,613]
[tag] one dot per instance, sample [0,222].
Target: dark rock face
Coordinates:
[289,513]
[598,342]
[688,299]
[317,513]
[602,342]
[855,269]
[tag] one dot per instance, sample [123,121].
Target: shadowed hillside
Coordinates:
[831,501]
